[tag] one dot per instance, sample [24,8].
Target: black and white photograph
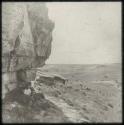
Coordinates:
[61,62]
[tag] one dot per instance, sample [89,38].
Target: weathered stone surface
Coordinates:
[26,38]
[41,28]
[26,35]
[50,79]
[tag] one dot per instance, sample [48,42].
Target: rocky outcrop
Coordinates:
[26,35]
[24,107]
[41,28]
[26,39]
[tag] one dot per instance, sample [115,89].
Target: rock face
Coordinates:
[41,28]
[26,38]
[26,35]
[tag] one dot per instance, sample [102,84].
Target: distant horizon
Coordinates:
[81,64]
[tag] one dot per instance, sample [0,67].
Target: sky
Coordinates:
[85,32]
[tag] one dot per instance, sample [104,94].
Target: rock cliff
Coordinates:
[26,44]
[26,39]
[26,35]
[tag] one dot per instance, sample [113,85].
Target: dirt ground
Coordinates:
[92,92]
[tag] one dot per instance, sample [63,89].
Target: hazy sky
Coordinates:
[85,32]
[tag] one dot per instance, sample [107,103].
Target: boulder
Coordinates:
[49,78]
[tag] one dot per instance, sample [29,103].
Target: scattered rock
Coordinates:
[30,108]
[110,105]
[84,93]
